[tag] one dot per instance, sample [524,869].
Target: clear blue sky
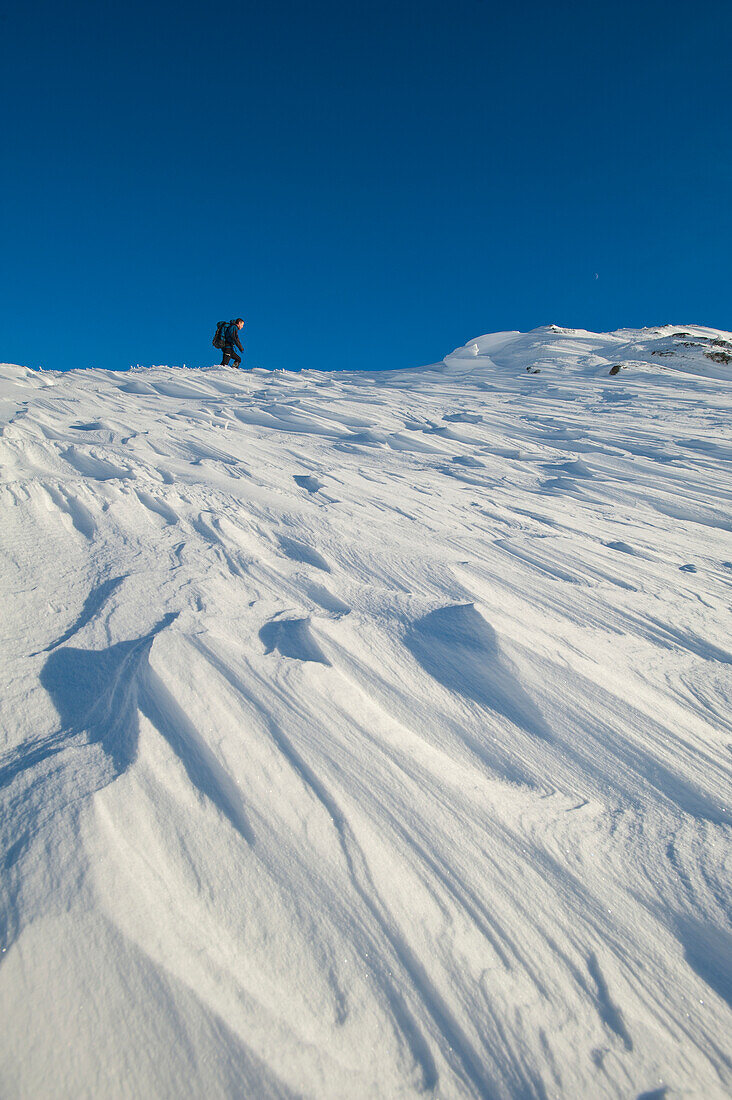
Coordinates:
[368,185]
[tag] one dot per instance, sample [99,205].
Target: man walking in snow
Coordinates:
[231,340]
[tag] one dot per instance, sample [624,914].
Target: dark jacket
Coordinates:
[231,336]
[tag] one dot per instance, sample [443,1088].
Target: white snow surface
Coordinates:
[368,735]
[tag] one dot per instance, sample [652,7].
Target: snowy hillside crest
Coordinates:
[368,734]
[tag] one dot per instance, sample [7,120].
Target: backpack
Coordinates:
[218,340]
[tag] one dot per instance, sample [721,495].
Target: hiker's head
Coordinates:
[239,323]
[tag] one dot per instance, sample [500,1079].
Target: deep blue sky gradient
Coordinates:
[368,185]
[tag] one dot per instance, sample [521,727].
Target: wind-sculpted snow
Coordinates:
[369,735]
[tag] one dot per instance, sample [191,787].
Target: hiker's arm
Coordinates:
[237,341]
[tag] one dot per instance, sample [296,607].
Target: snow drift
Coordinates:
[368,735]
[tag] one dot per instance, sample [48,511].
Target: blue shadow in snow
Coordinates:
[292,638]
[99,695]
[92,604]
[708,951]
[460,650]
[96,691]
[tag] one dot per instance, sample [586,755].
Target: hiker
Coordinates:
[227,338]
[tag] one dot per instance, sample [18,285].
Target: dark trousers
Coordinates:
[229,353]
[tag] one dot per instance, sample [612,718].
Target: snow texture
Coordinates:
[369,734]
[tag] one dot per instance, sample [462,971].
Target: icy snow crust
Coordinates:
[368,735]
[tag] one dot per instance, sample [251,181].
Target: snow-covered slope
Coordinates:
[369,735]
